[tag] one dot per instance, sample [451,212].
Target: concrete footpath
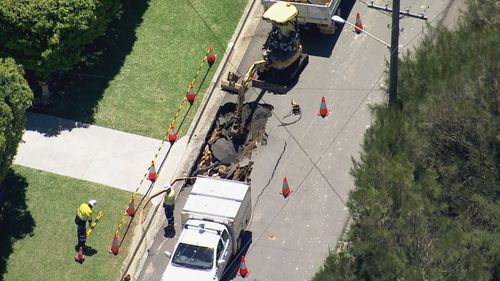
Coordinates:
[88,152]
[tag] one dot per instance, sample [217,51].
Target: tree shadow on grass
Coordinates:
[78,91]
[15,218]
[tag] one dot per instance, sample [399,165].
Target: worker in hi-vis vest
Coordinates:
[168,205]
[83,215]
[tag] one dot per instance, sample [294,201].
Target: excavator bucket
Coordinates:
[231,83]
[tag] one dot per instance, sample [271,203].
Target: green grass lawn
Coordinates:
[38,235]
[133,78]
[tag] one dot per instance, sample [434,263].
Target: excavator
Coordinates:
[226,151]
[282,62]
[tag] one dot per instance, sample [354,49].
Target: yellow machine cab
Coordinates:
[281,12]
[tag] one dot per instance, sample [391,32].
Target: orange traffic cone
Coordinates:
[131,209]
[152,172]
[114,245]
[285,190]
[79,256]
[243,268]
[172,135]
[190,94]
[358,25]
[323,111]
[211,57]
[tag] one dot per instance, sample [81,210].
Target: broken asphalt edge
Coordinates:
[144,236]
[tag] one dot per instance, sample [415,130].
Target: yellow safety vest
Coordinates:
[169,199]
[84,212]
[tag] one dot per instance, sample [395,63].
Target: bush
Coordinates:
[15,98]
[49,35]
[426,203]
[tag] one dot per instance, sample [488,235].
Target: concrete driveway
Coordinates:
[89,152]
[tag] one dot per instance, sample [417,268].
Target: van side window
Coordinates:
[220,248]
[225,235]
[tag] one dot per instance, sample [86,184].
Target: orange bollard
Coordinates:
[190,96]
[172,135]
[131,207]
[323,111]
[243,268]
[79,256]
[211,57]
[358,25]
[152,172]
[285,189]
[114,249]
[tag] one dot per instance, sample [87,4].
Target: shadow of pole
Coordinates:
[184,118]
[254,106]
[203,80]
[126,231]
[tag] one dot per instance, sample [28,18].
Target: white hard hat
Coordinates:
[92,202]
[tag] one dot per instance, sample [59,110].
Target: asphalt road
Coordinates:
[288,239]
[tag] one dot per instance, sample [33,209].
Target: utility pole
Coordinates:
[393,68]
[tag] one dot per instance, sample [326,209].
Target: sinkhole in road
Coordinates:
[228,150]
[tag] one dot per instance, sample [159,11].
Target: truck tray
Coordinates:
[280,81]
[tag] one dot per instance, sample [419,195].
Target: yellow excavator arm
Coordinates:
[232,85]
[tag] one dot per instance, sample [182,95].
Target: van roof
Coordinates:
[203,238]
[220,188]
[216,197]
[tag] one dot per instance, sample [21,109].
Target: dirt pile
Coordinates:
[229,148]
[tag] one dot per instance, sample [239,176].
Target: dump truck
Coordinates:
[318,12]
[214,218]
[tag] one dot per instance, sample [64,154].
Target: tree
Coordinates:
[15,98]
[426,203]
[49,35]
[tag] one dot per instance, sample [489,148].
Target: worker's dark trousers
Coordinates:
[81,232]
[169,213]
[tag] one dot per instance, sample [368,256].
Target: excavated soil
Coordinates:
[227,152]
